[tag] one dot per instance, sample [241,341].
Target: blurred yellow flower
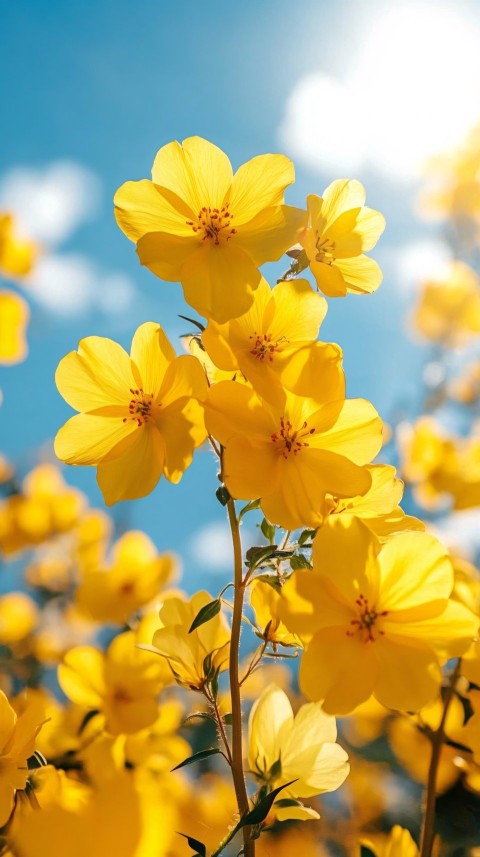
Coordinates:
[139,415]
[137,574]
[17,255]
[194,658]
[273,346]
[123,683]
[340,229]
[292,454]
[19,616]
[448,310]
[398,844]
[264,601]
[17,744]
[376,618]
[282,748]
[14,316]
[199,224]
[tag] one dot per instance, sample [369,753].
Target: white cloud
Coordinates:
[50,203]
[70,284]
[406,95]
[460,531]
[421,260]
[211,546]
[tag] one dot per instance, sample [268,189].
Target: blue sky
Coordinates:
[102,85]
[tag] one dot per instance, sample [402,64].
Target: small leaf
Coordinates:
[261,810]
[207,612]
[198,847]
[305,536]
[197,757]
[228,719]
[288,801]
[268,530]
[197,324]
[272,579]
[222,495]
[258,554]
[250,507]
[202,715]
[299,561]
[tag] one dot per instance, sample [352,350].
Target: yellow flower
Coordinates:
[123,683]
[199,224]
[139,415]
[448,310]
[398,844]
[16,255]
[136,576]
[453,188]
[340,229]
[292,455]
[273,346]
[18,617]
[282,748]
[376,618]
[378,507]
[14,315]
[17,744]
[264,601]
[213,374]
[193,658]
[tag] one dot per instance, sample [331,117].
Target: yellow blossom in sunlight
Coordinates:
[409,740]
[378,507]
[17,255]
[14,316]
[19,616]
[91,538]
[471,663]
[140,416]
[282,748]
[49,571]
[340,229]
[192,657]
[137,574]
[453,182]
[273,345]
[399,843]
[213,374]
[466,588]
[264,600]
[123,683]
[17,744]
[199,224]
[448,310]
[375,618]
[292,454]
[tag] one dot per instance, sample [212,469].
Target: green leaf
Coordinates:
[268,530]
[299,561]
[228,719]
[197,757]
[288,801]
[305,536]
[202,715]
[263,807]
[250,507]
[198,847]
[365,851]
[258,554]
[207,612]
[222,495]
[272,580]
[197,324]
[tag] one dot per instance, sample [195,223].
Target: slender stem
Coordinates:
[438,739]
[221,727]
[237,749]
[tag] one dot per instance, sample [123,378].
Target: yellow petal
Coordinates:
[345,554]
[250,470]
[98,375]
[184,378]
[232,409]
[86,438]
[299,311]
[270,233]
[182,429]
[134,468]
[219,280]
[196,171]
[165,254]
[259,183]
[329,279]
[81,676]
[140,208]
[408,673]
[355,231]
[14,315]
[307,605]
[450,632]
[151,354]
[340,670]
[361,274]
[313,366]
[271,719]
[416,569]
[341,195]
[356,433]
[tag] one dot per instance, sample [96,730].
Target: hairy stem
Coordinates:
[438,738]
[237,748]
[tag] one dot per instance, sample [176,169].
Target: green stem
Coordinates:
[236,746]
[438,738]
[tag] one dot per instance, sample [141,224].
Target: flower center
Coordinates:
[325,247]
[140,407]
[287,441]
[263,347]
[367,617]
[213,224]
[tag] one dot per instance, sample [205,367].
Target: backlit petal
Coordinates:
[87,438]
[340,670]
[270,233]
[219,280]
[408,673]
[260,183]
[140,208]
[361,274]
[134,468]
[152,354]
